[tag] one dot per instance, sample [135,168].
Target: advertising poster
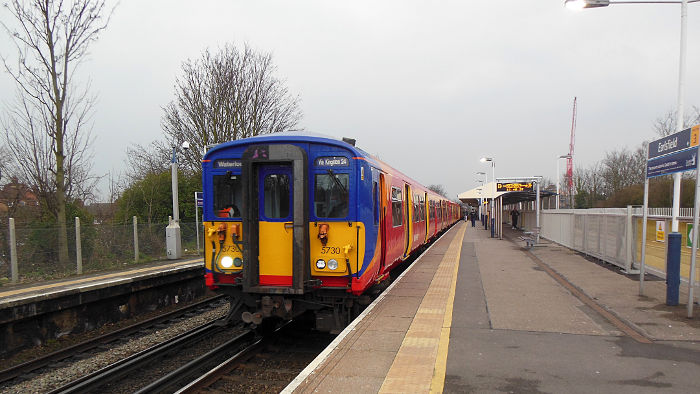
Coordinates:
[689,235]
[660,230]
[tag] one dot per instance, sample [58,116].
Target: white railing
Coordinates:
[605,233]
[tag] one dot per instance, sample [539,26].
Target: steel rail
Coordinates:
[62,354]
[215,373]
[117,370]
[171,381]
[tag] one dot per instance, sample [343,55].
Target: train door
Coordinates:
[426,208]
[275,219]
[408,204]
[275,224]
[382,218]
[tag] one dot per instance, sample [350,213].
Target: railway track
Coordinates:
[142,366]
[30,368]
[243,362]
[267,365]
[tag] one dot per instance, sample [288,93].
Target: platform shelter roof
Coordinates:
[472,196]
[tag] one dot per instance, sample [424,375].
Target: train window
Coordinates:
[415,208]
[422,208]
[227,195]
[331,197]
[396,211]
[276,196]
[375,200]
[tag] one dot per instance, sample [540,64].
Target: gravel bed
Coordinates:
[72,370]
[151,373]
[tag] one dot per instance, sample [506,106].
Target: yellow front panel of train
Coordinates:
[226,256]
[275,253]
[341,250]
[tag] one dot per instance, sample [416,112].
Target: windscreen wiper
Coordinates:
[337,181]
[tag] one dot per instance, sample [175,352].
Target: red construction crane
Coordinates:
[570,159]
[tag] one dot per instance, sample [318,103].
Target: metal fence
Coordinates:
[611,234]
[100,247]
[605,233]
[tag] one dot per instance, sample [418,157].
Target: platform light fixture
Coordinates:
[581,4]
[493,195]
[484,182]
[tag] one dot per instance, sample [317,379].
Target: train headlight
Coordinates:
[226,262]
[237,262]
[320,264]
[332,264]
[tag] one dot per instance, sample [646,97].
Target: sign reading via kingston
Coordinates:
[684,160]
[683,139]
[332,161]
[514,187]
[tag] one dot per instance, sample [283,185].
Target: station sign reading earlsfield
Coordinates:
[514,187]
[681,140]
[674,153]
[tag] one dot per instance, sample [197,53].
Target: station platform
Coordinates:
[478,314]
[13,295]
[34,313]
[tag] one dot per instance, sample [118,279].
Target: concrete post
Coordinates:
[136,240]
[78,247]
[14,272]
[537,209]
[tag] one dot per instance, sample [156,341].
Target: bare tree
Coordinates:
[666,124]
[589,185]
[622,168]
[47,130]
[439,189]
[224,96]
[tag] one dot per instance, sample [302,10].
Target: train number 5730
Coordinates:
[330,250]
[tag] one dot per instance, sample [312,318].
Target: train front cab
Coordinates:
[297,233]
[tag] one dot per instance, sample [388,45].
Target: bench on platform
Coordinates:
[530,237]
[530,242]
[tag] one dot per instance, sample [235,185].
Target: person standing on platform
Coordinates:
[514,217]
[472,216]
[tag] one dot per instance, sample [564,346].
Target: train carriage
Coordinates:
[302,222]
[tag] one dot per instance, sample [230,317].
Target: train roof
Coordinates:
[308,136]
[291,136]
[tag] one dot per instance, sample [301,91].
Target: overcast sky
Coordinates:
[428,86]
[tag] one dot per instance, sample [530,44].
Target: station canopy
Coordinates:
[487,191]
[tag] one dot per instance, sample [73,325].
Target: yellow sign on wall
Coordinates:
[660,230]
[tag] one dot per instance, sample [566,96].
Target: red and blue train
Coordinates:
[298,222]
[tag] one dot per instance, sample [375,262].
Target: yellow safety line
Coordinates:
[107,276]
[438,382]
[426,340]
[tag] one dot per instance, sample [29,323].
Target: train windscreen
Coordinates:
[331,197]
[227,195]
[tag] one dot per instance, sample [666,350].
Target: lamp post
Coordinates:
[559,176]
[173,239]
[673,250]
[481,202]
[483,182]
[580,4]
[493,196]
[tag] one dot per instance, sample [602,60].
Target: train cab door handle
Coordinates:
[288,225]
